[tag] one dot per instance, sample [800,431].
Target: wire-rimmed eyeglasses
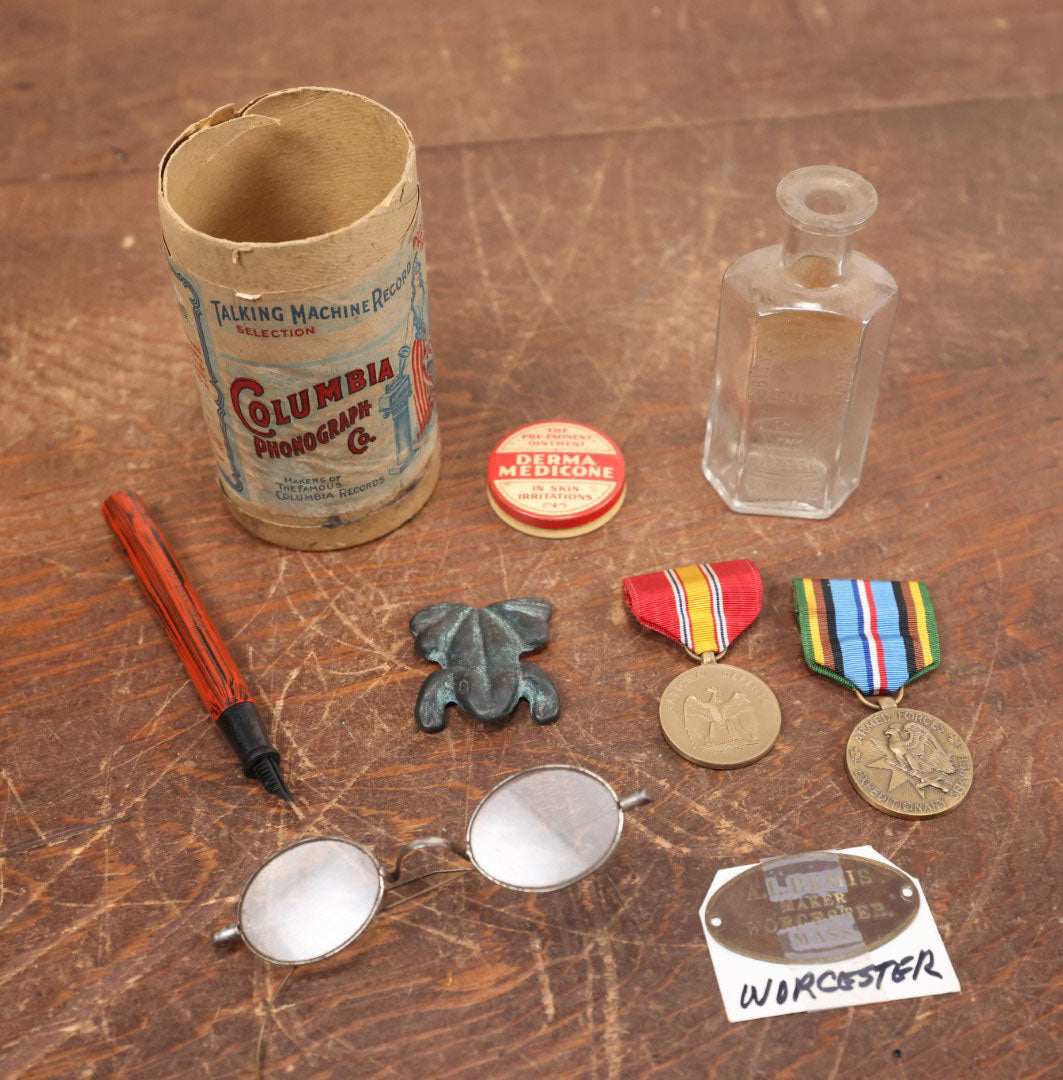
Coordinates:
[538,830]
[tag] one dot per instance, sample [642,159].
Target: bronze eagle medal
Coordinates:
[908,764]
[720,716]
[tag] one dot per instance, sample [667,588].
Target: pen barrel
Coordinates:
[212,670]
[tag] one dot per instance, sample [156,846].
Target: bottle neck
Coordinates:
[814,260]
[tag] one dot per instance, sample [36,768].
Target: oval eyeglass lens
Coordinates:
[310,900]
[544,829]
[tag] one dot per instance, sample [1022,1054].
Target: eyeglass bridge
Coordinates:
[424,842]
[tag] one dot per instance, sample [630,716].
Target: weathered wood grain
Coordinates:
[100,88]
[579,214]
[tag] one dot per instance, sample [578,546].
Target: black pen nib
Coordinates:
[268,775]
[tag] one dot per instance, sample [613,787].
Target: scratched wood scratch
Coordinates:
[588,172]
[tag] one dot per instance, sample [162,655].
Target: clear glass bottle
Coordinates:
[800,344]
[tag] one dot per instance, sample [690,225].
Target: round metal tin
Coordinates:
[556,478]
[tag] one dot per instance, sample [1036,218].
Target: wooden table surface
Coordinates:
[589,170]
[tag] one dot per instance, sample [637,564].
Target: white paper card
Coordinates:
[913,964]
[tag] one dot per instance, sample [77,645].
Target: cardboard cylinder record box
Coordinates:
[294,235]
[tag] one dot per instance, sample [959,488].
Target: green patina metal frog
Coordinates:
[478,651]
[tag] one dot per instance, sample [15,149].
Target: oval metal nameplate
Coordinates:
[813,908]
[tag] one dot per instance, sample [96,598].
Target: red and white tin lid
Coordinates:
[556,478]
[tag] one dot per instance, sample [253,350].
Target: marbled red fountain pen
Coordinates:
[212,670]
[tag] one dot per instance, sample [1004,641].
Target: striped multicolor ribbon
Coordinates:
[704,607]
[874,636]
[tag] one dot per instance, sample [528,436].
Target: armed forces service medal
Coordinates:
[715,714]
[876,637]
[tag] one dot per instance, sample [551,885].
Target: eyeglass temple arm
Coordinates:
[425,842]
[229,936]
[636,798]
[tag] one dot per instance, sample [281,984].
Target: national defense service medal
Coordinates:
[714,715]
[720,716]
